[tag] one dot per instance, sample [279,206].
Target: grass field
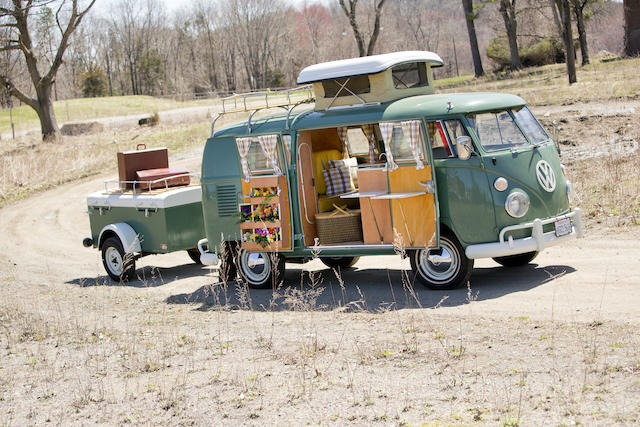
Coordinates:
[597,82]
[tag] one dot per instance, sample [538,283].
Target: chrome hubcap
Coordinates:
[439,265]
[255,265]
[114,260]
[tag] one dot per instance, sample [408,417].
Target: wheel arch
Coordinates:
[123,231]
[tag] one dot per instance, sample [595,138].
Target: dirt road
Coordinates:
[597,277]
[553,343]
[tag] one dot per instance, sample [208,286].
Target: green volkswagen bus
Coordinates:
[381,164]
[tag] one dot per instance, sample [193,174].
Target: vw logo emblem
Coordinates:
[545,175]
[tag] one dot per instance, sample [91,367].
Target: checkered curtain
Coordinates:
[369,132]
[243,148]
[342,134]
[386,129]
[269,144]
[411,131]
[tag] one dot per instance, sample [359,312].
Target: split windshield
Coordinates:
[497,130]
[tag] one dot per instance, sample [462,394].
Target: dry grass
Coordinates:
[29,165]
[104,354]
[547,85]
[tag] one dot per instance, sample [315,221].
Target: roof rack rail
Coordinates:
[251,102]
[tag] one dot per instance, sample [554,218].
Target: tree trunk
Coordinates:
[582,31]
[632,27]
[48,123]
[508,11]
[568,41]
[473,40]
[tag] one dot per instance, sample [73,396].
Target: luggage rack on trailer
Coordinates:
[253,102]
[149,184]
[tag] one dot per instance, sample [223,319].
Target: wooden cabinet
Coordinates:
[376,214]
[264,215]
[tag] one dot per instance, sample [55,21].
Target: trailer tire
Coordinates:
[120,266]
[194,254]
[260,270]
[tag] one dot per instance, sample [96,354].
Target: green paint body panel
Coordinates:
[221,190]
[468,203]
[178,227]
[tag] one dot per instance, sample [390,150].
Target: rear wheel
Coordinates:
[260,269]
[194,254]
[444,268]
[340,262]
[516,260]
[120,266]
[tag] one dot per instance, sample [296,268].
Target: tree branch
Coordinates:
[14,91]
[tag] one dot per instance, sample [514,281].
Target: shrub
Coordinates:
[94,82]
[546,51]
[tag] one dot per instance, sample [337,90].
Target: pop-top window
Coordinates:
[413,74]
[357,85]
[497,130]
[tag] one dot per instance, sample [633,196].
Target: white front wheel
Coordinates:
[445,268]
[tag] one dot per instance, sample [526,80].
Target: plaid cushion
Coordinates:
[351,164]
[338,181]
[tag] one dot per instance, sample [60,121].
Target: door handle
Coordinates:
[428,186]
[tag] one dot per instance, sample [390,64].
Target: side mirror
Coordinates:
[556,135]
[463,144]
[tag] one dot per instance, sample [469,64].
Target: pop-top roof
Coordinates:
[365,65]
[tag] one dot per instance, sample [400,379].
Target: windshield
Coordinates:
[530,125]
[497,130]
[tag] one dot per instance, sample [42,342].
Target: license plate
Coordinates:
[563,227]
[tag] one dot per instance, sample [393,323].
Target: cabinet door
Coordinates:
[413,209]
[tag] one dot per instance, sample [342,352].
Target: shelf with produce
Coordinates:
[264,215]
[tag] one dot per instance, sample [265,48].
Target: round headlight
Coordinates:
[517,204]
[500,184]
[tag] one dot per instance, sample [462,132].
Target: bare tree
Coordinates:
[562,17]
[16,16]
[632,27]
[508,12]
[351,14]
[470,17]
[579,9]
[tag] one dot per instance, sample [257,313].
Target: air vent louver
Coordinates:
[227,200]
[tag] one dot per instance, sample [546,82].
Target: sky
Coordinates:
[103,6]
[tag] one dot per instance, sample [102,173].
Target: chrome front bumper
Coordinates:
[537,242]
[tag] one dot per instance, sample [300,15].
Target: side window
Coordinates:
[401,143]
[258,161]
[286,142]
[357,142]
[357,85]
[413,74]
[440,144]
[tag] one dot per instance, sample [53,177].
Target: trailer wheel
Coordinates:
[341,263]
[260,270]
[194,254]
[516,260]
[446,268]
[120,266]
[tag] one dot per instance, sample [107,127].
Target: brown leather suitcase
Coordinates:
[129,162]
[155,174]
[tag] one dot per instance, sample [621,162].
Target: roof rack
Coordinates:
[252,102]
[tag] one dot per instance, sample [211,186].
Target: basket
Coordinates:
[339,226]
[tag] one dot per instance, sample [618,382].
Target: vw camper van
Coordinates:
[381,164]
